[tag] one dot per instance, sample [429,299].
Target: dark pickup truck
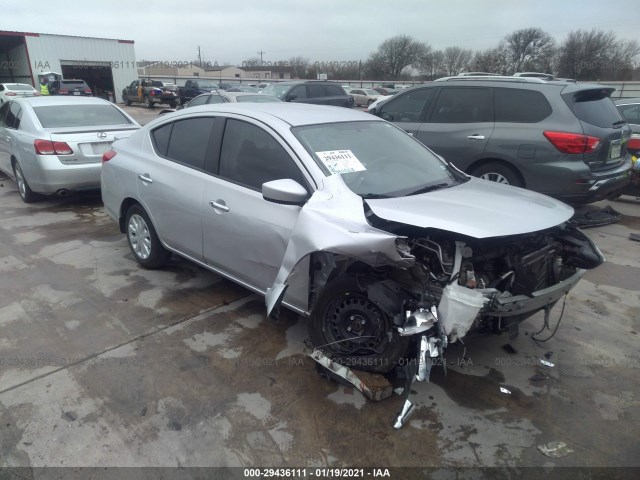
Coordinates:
[151,92]
[193,88]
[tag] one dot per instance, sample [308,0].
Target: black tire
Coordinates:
[126,100]
[27,195]
[147,102]
[343,311]
[143,239]
[499,173]
[173,104]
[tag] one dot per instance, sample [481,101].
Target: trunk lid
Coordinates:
[88,144]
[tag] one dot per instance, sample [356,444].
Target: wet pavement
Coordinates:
[103,363]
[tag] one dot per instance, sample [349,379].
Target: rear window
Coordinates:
[55,116]
[631,113]
[74,83]
[520,106]
[20,88]
[596,108]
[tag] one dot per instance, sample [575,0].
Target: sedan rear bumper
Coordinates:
[50,175]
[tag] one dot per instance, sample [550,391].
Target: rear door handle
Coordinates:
[476,137]
[219,206]
[145,177]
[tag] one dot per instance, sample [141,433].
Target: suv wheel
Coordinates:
[499,173]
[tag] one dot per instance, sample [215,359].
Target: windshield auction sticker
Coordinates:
[340,161]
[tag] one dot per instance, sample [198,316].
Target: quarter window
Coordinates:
[250,156]
[518,105]
[463,105]
[316,91]
[201,100]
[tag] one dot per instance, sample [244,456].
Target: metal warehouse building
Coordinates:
[107,65]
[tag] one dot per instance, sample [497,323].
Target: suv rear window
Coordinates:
[518,105]
[74,83]
[596,108]
[56,116]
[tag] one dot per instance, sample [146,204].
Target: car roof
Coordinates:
[294,114]
[48,100]
[627,101]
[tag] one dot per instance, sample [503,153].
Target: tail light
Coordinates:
[36,94]
[572,142]
[106,156]
[10,94]
[634,143]
[87,90]
[47,147]
[63,91]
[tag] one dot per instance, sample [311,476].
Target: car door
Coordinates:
[244,235]
[357,95]
[5,139]
[408,110]
[10,115]
[298,94]
[460,124]
[170,178]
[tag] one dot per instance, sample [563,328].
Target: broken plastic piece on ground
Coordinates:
[504,390]
[547,363]
[634,236]
[398,391]
[407,410]
[604,216]
[373,386]
[555,449]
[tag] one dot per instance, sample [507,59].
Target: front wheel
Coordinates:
[499,173]
[143,239]
[147,102]
[350,328]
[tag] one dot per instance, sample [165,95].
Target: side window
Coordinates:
[463,105]
[12,119]
[631,113]
[357,92]
[201,100]
[160,137]
[334,90]
[299,91]
[317,91]
[251,156]
[134,84]
[189,141]
[518,105]
[217,99]
[408,107]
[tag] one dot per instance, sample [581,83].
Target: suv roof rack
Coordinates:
[478,74]
[544,76]
[496,78]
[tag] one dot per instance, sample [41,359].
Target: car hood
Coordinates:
[476,208]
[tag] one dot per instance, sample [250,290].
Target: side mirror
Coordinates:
[285,192]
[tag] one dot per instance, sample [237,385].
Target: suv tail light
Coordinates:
[63,91]
[572,142]
[47,147]
[106,156]
[87,90]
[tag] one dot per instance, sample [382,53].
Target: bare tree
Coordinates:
[431,64]
[595,54]
[299,66]
[492,60]
[529,49]
[395,54]
[456,59]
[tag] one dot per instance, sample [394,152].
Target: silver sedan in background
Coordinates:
[345,218]
[55,144]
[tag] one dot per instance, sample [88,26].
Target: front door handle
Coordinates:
[219,206]
[145,178]
[476,137]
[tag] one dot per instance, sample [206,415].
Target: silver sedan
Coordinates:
[55,144]
[345,218]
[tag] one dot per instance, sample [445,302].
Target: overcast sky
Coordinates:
[229,32]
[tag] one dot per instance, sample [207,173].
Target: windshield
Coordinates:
[375,159]
[55,116]
[276,90]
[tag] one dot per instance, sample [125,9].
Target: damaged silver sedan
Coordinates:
[346,219]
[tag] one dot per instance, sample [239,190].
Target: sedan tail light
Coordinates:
[87,90]
[634,143]
[10,94]
[572,142]
[47,147]
[106,156]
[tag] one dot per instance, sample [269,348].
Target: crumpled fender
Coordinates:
[333,220]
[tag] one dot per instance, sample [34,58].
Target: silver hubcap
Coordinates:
[139,236]
[494,177]
[22,187]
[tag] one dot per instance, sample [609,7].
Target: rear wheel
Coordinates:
[143,239]
[126,100]
[499,173]
[173,104]
[147,102]
[350,328]
[27,195]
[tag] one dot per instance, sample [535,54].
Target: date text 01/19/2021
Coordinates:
[317,472]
